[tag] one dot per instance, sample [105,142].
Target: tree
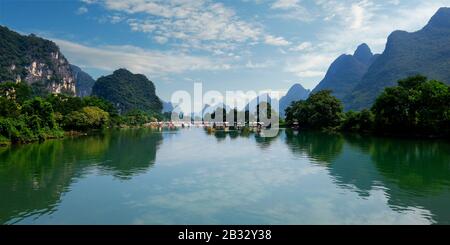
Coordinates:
[320,111]
[64,104]
[41,109]
[9,108]
[362,122]
[18,92]
[100,103]
[415,106]
[86,118]
[136,118]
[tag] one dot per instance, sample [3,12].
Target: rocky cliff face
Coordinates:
[34,60]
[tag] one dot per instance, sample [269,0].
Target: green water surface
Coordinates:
[191,177]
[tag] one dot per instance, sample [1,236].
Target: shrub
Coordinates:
[87,118]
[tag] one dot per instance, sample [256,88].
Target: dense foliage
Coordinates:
[25,117]
[416,107]
[128,92]
[360,122]
[87,118]
[320,111]
[138,118]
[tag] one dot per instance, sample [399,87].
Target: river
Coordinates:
[192,177]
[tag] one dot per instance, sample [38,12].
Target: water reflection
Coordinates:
[416,173]
[295,177]
[413,173]
[321,147]
[34,177]
[131,152]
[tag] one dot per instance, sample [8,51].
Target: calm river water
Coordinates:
[191,177]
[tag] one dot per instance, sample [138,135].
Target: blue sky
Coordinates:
[227,45]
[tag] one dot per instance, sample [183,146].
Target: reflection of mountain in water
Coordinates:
[413,173]
[131,152]
[417,174]
[33,177]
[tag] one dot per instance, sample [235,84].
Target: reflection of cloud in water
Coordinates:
[195,179]
[241,183]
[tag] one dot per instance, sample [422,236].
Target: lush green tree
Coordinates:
[18,92]
[416,106]
[39,89]
[40,110]
[362,122]
[320,111]
[136,118]
[64,104]
[100,103]
[9,108]
[87,118]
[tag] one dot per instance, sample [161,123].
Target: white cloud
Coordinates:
[358,15]
[302,46]
[152,63]
[309,65]
[88,1]
[116,19]
[82,10]
[194,23]
[276,41]
[291,10]
[285,4]
[252,65]
[160,39]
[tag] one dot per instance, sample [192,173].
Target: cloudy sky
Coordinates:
[227,45]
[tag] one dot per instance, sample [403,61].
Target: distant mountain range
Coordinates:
[346,72]
[358,79]
[295,93]
[425,52]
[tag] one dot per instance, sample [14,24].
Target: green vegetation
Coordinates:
[416,107]
[320,111]
[25,117]
[136,118]
[128,92]
[18,53]
[89,117]
[360,122]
